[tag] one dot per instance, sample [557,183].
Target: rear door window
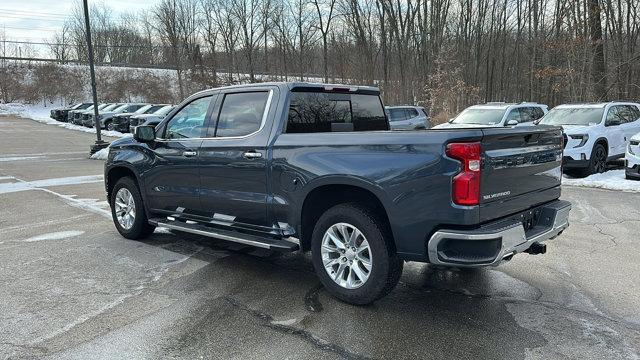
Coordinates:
[629,113]
[527,114]
[241,113]
[311,112]
[411,113]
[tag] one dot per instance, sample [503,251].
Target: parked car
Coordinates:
[407,117]
[151,122]
[106,117]
[288,166]
[632,158]
[594,133]
[87,116]
[60,114]
[78,116]
[150,119]
[88,120]
[121,121]
[497,114]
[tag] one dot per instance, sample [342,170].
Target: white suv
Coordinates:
[594,133]
[497,114]
[632,158]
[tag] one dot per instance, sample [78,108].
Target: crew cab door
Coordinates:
[173,182]
[234,159]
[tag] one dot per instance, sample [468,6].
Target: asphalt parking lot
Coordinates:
[71,287]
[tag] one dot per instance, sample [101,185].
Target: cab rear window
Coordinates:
[313,112]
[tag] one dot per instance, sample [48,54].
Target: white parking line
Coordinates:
[19,158]
[31,185]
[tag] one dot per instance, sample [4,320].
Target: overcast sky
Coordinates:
[37,20]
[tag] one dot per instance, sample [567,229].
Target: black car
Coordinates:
[120,122]
[314,167]
[61,113]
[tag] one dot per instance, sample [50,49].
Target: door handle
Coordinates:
[252,155]
[189,153]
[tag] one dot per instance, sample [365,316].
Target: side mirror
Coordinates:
[512,122]
[450,121]
[144,133]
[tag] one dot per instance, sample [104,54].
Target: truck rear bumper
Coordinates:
[494,242]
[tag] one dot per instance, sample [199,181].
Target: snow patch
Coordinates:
[610,180]
[55,235]
[41,114]
[102,154]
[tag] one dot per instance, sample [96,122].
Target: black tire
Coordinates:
[109,124]
[598,160]
[386,267]
[141,227]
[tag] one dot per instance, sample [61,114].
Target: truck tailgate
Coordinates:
[521,168]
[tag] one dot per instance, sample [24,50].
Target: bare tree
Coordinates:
[325,13]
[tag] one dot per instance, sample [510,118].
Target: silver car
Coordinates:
[407,117]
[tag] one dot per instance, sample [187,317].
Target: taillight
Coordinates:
[466,185]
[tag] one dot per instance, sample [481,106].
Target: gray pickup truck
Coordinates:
[314,167]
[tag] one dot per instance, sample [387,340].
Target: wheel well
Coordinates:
[116,174]
[324,197]
[604,143]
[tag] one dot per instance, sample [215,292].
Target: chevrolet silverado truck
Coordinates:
[314,168]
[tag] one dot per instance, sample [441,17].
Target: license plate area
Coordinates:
[530,219]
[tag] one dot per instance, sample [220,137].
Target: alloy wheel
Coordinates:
[601,160]
[125,208]
[346,255]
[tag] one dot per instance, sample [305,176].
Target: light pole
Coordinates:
[99,144]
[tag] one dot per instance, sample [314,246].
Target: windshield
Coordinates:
[573,116]
[143,109]
[480,116]
[109,107]
[163,110]
[119,107]
[152,108]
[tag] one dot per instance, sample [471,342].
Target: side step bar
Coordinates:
[246,239]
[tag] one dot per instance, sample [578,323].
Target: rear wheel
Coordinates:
[127,210]
[351,256]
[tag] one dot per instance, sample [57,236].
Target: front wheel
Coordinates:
[598,160]
[127,210]
[351,256]
[110,126]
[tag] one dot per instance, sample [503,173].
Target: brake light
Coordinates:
[466,185]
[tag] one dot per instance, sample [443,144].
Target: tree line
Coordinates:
[444,54]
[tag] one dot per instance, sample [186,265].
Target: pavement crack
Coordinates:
[601,232]
[321,344]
